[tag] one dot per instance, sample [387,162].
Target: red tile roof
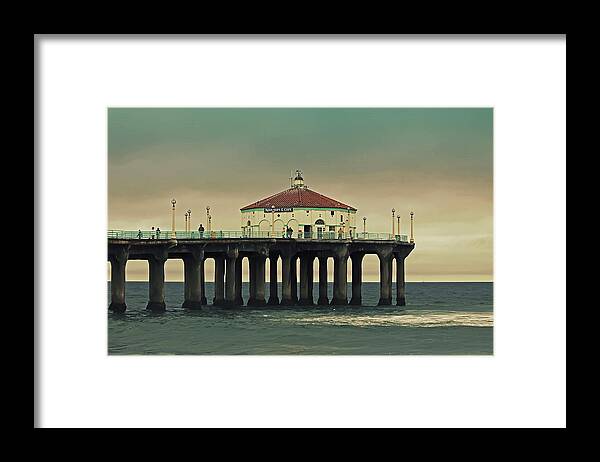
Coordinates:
[298,197]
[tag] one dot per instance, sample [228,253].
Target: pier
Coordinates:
[229,248]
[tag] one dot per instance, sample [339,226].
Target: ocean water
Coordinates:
[439,319]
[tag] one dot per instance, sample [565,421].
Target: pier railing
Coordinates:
[316,235]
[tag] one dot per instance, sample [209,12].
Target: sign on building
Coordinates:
[279,209]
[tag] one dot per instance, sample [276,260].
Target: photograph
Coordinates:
[300,231]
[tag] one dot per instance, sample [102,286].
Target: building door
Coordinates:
[320,224]
[307,231]
[331,232]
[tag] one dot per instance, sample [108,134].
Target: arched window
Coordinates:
[319,222]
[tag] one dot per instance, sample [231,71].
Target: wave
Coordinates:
[408,318]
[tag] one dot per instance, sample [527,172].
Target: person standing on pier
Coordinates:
[201,230]
[152,233]
[139,233]
[157,232]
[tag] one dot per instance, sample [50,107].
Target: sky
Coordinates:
[437,162]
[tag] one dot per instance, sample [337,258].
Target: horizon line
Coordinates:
[315,282]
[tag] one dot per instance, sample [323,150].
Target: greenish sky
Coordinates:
[435,161]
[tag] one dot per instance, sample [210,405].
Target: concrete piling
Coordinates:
[306,280]
[400,282]
[118,262]
[192,264]
[385,278]
[273,289]
[323,300]
[219,298]
[239,301]
[357,259]
[230,277]
[257,281]
[203,300]
[294,278]
[340,278]
[156,286]
[286,280]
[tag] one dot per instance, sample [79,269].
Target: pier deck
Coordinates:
[229,250]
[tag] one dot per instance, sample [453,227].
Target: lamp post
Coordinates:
[208,218]
[186,221]
[365,227]
[412,234]
[272,220]
[398,225]
[173,235]
[393,224]
[189,212]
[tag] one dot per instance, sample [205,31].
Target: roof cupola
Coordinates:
[298,181]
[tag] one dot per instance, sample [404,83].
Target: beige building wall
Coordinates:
[333,219]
